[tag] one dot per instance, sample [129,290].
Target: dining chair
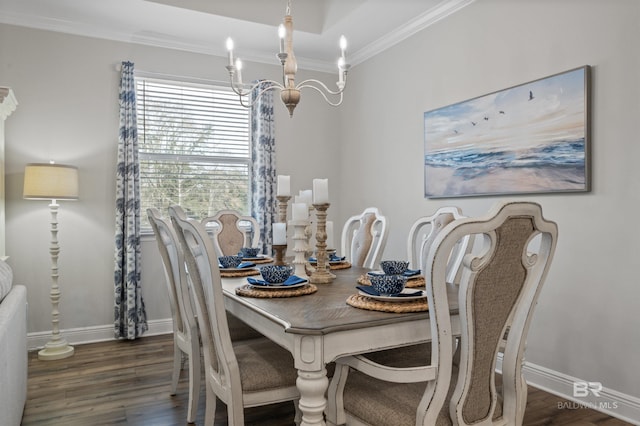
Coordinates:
[500,283]
[364,237]
[246,373]
[231,230]
[424,231]
[185,327]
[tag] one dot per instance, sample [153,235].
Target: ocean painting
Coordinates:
[531,138]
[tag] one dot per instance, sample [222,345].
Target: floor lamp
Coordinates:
[52,182]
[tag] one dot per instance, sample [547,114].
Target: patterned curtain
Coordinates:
[130,315]
[263,167]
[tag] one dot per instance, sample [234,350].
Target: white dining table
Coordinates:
[319,328]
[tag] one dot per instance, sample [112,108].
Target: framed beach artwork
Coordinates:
[531,138]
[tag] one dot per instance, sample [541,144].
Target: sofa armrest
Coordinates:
[13,356]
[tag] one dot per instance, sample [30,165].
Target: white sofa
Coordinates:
[13,348]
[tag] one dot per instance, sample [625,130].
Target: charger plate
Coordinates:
[241,272]
[412,282]
[364,302]
[248,290]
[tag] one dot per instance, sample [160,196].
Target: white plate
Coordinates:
[277,286]
[249,259]
[251,268]
[423,295]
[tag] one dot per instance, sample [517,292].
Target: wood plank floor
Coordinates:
[127,383]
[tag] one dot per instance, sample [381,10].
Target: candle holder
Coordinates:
[283,202]
[321,274]
[300,261]
[308,232]
[280,249]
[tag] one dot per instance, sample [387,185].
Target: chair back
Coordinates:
[364,237]
[206,286]
[499,288]
[182,311]
[230,231]
[424,231]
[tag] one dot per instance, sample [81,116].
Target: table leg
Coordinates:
[312,386]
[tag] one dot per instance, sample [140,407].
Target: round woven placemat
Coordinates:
[412,282]
[364,302]
[250,291]
[334,266]
[242,272]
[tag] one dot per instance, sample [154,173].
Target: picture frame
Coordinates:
[527,139]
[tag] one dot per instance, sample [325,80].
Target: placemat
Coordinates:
[242,272]
[340,265]
[412,282]
[250,291]
[364,302]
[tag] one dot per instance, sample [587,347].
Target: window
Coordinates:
[194,148]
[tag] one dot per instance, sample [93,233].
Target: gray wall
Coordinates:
[67,90]
[371,149]
[586,324]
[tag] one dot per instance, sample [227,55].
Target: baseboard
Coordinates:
[609,401]
[101,333]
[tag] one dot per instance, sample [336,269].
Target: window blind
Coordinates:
[194,147]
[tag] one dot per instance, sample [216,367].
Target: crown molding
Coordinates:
[412,27]
[441,11]
[8,102]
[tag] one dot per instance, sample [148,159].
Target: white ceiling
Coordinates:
[203,25]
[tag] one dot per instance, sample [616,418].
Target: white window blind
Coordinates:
[194,147]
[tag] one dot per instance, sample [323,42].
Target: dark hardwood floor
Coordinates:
[127,383]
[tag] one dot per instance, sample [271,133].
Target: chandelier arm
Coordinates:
[243,95]
[308,83]
[324,95]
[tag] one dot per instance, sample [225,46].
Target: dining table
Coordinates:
[320,327]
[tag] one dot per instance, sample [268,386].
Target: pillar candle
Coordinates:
[330,243]
[299,211]
[279,234]
[306,196]
[284,186]
[320,191]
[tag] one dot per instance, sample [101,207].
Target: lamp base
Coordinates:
[55,350]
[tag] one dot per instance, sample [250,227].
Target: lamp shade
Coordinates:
[44,181]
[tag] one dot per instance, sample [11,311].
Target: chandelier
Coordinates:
[289,90]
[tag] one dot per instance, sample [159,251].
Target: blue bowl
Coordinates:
[276,274]
[394,267]
[230,261]
[249,252]
[387,284]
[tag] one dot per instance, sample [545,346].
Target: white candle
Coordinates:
[306,196]
[282,32]
[239,71]
[330,243]
[320,191]
[279,234]
[343,48]
[230,50]
[299,211]
[284,186]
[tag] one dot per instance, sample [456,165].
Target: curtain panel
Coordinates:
[129,312]
[263,168]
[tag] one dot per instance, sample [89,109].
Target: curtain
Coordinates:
[129,313]
[263,168]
